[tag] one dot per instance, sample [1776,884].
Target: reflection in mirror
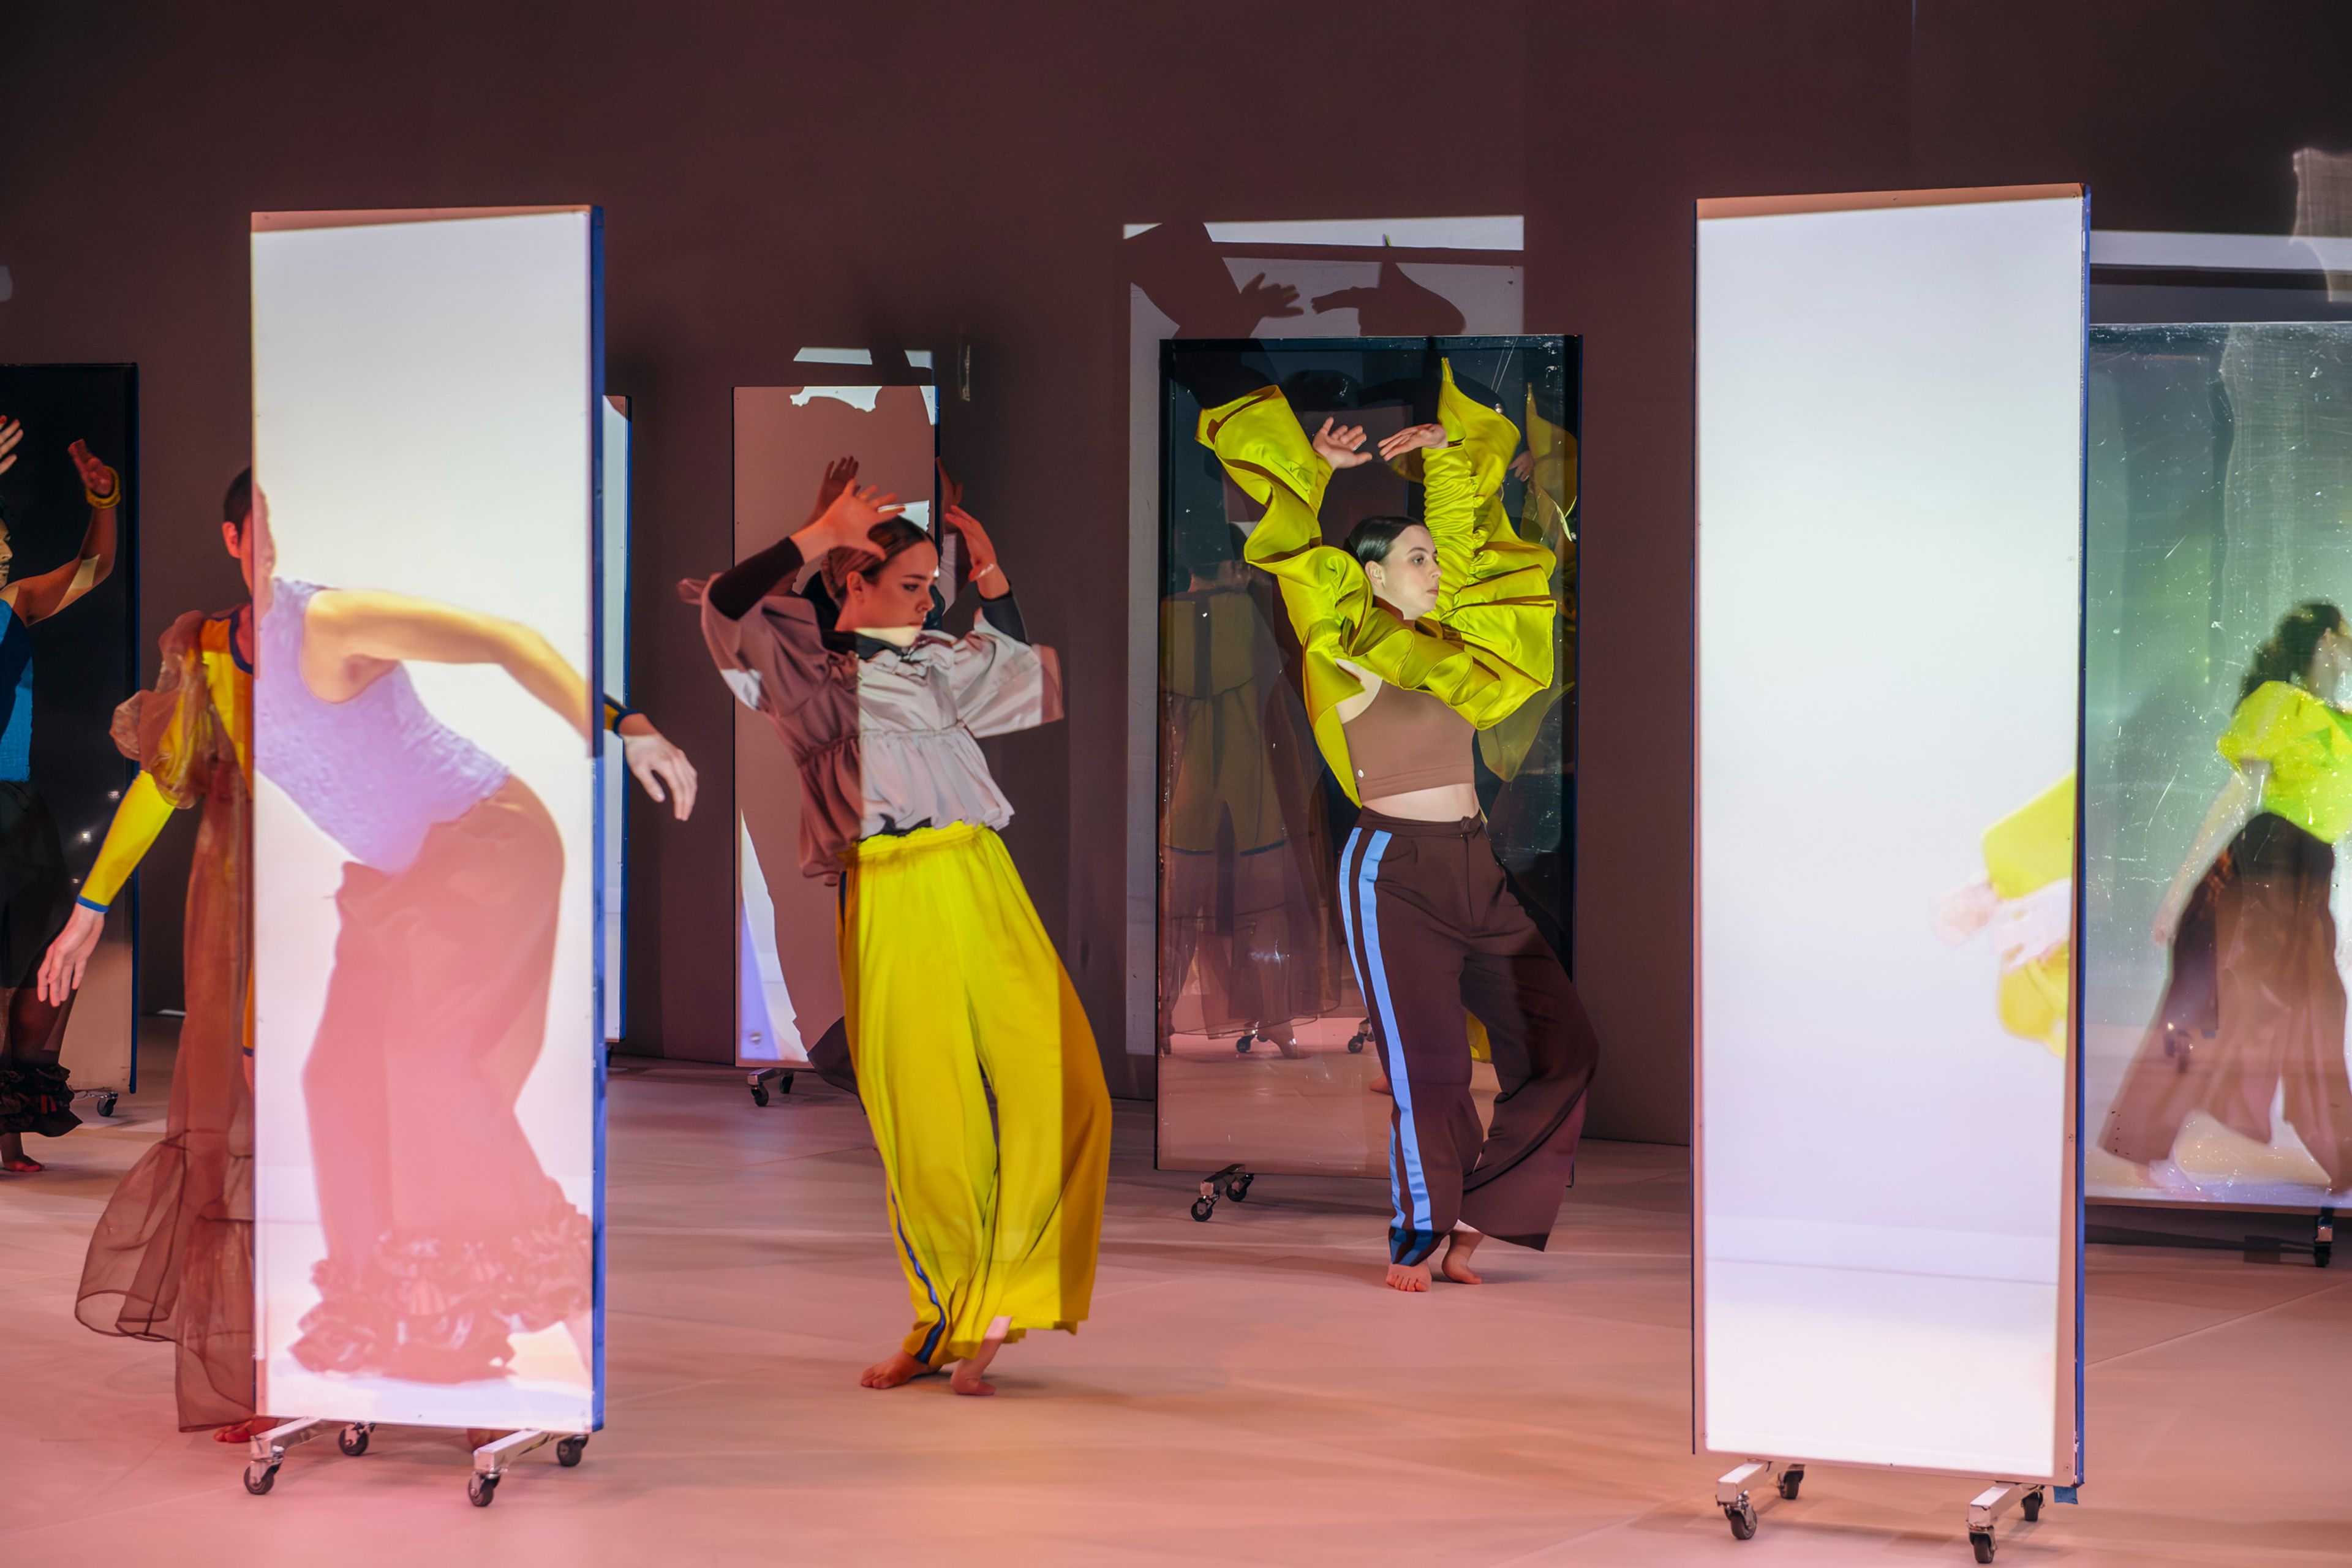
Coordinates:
[2220,472]
[68,655]
[1269,1047]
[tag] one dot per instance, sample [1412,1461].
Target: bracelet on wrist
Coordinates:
[113,496]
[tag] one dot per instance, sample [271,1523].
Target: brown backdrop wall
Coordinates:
[930,174]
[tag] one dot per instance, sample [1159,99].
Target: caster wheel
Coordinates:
[1238,1188]
[1742,1518]
[2320,1252]
[1789,1482]
[106,1104]
[259,1478]
[759,1097]
[569,1449]
[1355,1045]
[1203,1207]
[353,1440]
[2032,1506]
[1982,1540]
[1242,1044]
[481,1488]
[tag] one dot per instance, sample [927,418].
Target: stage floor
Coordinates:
[1245,1394]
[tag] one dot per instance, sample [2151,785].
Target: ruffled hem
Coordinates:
[35,1097]
[428,1309]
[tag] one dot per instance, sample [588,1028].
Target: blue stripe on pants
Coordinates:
[1413,1212]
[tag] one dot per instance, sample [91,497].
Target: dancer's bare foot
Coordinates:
[970,1375]
[1457,1263]
[1408,1277]
[901,1368]
[13,1158]
[2167,1176]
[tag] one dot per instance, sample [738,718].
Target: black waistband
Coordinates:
[1461,827]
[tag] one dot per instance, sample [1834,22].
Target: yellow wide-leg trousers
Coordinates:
[954,990]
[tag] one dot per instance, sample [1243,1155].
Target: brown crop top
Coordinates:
[1407,741]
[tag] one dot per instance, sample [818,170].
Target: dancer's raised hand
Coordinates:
[1412,438]
[837,477]
[98,480]
[845,522]
[1341,445]
[984,572]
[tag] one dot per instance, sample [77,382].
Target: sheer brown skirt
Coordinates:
[2254,1002]
[173,1255]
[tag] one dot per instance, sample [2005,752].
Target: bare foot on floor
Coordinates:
[901,1368]
[970,1373]
[1455,1265]
[1408,1277]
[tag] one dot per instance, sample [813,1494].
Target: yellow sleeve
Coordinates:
[137,821]
[1259,442]
[1495,590]
[2273,720]
[2033,846]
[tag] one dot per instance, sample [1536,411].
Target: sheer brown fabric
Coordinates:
[173,1255]
[2255,1003]
[1246,934]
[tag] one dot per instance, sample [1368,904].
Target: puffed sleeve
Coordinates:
[774,658]
[1495,589]
[1002,683]
[2273,720]
[1261,446]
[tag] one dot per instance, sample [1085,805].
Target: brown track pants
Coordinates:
[1435,931]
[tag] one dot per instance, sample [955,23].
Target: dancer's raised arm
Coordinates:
[38,598]
[353,636]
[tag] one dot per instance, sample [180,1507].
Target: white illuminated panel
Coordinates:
[428,1056]
[1890,494]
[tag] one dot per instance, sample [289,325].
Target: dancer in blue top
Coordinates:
[35,894]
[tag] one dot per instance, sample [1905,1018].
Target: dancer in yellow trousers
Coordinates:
[953,990]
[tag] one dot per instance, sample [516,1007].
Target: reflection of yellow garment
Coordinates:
[1544,517]
[2308,746]
[989,1222]
[1487,646]
[145,807]
[1214,761]
[2030,848]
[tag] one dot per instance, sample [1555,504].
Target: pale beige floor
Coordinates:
[1245,1394]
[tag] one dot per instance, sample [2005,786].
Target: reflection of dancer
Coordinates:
[171,1257]
[953,989]
[2026,898]
[34,895]
[2255,1000]
[1236,797]
[1413,637]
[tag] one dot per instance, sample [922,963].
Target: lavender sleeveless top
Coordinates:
[375,774]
